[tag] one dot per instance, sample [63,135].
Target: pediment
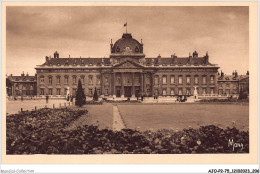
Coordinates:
[128,64]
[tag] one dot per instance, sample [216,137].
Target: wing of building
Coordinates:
[128,73]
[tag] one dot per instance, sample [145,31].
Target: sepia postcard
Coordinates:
[129,83]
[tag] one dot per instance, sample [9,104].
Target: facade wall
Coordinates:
[186,88]
[109,83]
[228,87]
[73,76]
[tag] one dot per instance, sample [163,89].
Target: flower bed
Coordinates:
[94,102]
[44,132]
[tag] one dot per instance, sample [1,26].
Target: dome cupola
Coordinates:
[127,46]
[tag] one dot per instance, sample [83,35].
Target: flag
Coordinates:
[125,24]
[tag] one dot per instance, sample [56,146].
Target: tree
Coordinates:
[243,95]
[80,96]
[95,96]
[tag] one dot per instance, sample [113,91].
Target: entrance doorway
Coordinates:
[128,91]
[118,93]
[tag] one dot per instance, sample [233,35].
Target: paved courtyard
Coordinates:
[14,106]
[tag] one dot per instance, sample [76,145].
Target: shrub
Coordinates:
[80,96]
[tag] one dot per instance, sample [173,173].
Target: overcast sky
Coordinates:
[36,32]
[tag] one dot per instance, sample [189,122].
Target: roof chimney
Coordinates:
[56,54]
[47,59]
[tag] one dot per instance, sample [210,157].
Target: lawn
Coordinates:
[179,116]
[98,115]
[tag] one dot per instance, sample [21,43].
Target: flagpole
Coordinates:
[126,27]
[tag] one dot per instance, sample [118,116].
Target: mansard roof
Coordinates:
[76,61]
[177,61]
[22,78]
[232,77]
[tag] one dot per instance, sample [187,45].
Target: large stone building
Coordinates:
[233,84]
[24,85]
[128,73]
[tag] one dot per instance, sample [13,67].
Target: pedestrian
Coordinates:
[47,98]
[71,99]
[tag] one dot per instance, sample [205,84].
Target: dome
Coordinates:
[127,45]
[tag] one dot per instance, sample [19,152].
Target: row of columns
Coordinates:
[113,83]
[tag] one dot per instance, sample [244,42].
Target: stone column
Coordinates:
[142,82]
[114,85]
[152,83]
[133,84]
[102,84]
[122,85]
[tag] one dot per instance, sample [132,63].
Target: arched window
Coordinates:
[156,80]
[66,80]
[164,78]
[74,78]
[50,80]
[82,79]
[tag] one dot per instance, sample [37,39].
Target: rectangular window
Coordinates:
[180,91]
[82,79]
[106,92]
[220,91]
[204,80]
[156,92]
[98,80]
[66,80]
[58,80]
[50,80]
[156,80]
[98,92]
[188,91]
[74,80]
[42,91]
[188,79]
[164,80]
[90,80]
[41,80]
[204,91]
[172,91]
[211,90]
[180,80]
[74,91]
[227,91]
[172,80]
[50,91]
[90,93]
[211,79]
[164,92]
[196,80]
[58,91]
[65,91]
